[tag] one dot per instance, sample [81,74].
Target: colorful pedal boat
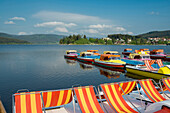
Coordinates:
[71,54]
[94,52]
[143,71]
[87,57]
[142,51]
[136,59]
[110,61]
[157,54]
[111,52]
[126,52]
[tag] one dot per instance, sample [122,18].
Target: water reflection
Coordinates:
[86,66]
[71,61]
[110,73]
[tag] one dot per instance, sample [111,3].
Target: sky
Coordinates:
[94,18]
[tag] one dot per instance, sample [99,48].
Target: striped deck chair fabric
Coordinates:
[159,62]
[56,98]
[28,102]
[127,87]
[151,62]
[166,82]
[115,99]
[87,100]
[150,90]
[147,64]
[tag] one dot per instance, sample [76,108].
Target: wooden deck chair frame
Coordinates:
[51,98]
[161,86]
[151,96]
[27,93]
[94,89]
[99,87]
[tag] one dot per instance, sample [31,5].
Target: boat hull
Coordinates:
[146,73]
[70,56]
[157,57]
[85,60]
[109,64]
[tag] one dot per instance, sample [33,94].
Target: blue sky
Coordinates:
[96,18]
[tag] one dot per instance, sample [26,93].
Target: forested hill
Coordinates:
[35,38]
[153,34]
[4,40]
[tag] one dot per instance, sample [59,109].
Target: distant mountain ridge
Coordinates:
[35,38]
[12,41]
[154,34]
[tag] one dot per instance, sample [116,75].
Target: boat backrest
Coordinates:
[150,90]
[114,98]
[56,98]
[28,102]
[87,100]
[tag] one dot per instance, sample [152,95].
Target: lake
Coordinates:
[43,67]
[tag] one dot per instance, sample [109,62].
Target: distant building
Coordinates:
[107,38]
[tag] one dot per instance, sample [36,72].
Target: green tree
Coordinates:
[109,42]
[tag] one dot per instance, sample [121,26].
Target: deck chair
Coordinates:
[148,66]
[150,91]
[159,62]
[151,62]
[166,82]
[56,98]
[87,100]
[27,102]
[114,98]
[126,87]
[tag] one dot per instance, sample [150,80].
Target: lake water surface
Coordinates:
[43,67]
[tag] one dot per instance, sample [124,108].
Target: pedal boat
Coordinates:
[136,59]
[142,51]
[87,57]
[71,54]
[111,52]
[127,52]
[110,61]
[95,52]
[157,54]
[144,71]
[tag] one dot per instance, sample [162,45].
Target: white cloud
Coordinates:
[61,29]
[22,33]
[92,31]
[18,18]
[9,22]
[100,26]
[154,13]
[50,24]
[120,29]
[68,17]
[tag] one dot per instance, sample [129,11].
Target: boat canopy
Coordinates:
[158,50]
[70,51]
[92,50]
[107,56]
[128,49]
[110,52]
[145,49]
[86,53]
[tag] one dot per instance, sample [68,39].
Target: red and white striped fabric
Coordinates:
[159,62]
